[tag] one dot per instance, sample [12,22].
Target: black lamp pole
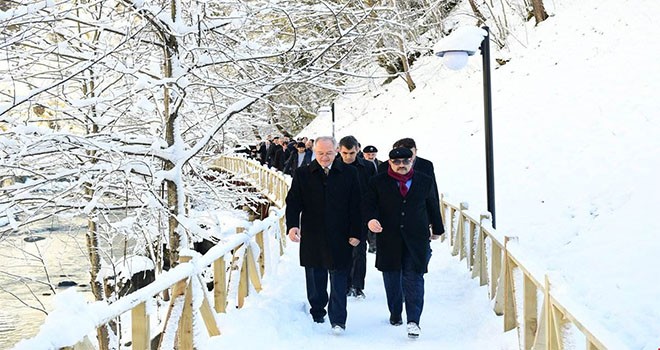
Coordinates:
[488,123]
[332,112]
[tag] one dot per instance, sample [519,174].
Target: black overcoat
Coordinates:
[405,220]
[327,211]
[366,171]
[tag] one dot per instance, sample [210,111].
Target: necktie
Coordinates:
[326,170]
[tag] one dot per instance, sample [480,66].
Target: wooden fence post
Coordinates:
[495,270]
[510,310]
[472,246]
[262,256]
[243,286]
[220,285]
[482,259]
[252,269]
[530,310]
[443,215]
[141,335]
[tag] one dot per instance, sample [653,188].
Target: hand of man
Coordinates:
[353,241]
[294,234]
[434,237]
[374,226]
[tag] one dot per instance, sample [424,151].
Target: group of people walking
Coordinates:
[338,200]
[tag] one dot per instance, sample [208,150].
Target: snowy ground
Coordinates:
[457,313]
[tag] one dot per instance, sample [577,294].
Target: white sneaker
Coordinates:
[337,329]
[413,330]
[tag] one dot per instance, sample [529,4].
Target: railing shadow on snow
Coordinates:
[514,282]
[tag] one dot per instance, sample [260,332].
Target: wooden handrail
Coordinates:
[537,329]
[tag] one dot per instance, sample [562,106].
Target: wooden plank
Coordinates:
[510,310]
[550,325]
[557,326]
[220,285]
[481,252]
[530,311]
[495,269]
[283,235]
[540,339]
[452,214]
[141,336]
[178,291]
[262,257]
[243,286]
[472,246]
[252,270]
[208,317]
[185,329]
[443,215]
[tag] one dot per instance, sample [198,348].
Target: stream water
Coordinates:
[32,272]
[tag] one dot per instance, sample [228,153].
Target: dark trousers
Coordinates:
[316,279]
[358,266]
[405,285]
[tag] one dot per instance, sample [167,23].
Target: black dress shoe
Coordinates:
[396,321]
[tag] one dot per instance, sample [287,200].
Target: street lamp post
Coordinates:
[454,49]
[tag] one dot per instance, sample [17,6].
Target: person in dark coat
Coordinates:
[399,207]
[270,152]
[302,156]
[323,214]
[262,150]
[348,148]
[419,164]
[370,154]
[279,156]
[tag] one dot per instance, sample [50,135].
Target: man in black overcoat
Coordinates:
[302,156]
[348,148]
[419,164]
[323,214]
[399,207]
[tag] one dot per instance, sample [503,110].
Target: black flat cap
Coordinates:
[400,152]
[370,149]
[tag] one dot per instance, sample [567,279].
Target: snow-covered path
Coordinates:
[457,313]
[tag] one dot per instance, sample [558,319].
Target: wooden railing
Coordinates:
[241,256]
[500,268]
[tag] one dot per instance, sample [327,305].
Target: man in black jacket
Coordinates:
[323,214]
[399,207]
[348,148]
[302,156]
[419,164]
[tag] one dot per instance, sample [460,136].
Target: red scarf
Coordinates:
[401,179]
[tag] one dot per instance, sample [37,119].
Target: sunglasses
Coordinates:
[401,161]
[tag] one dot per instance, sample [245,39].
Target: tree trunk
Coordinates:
[98,288]
[539,11]
[171,113]
[477,13]
[406,67]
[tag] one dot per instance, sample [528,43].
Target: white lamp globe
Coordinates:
[455,60]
